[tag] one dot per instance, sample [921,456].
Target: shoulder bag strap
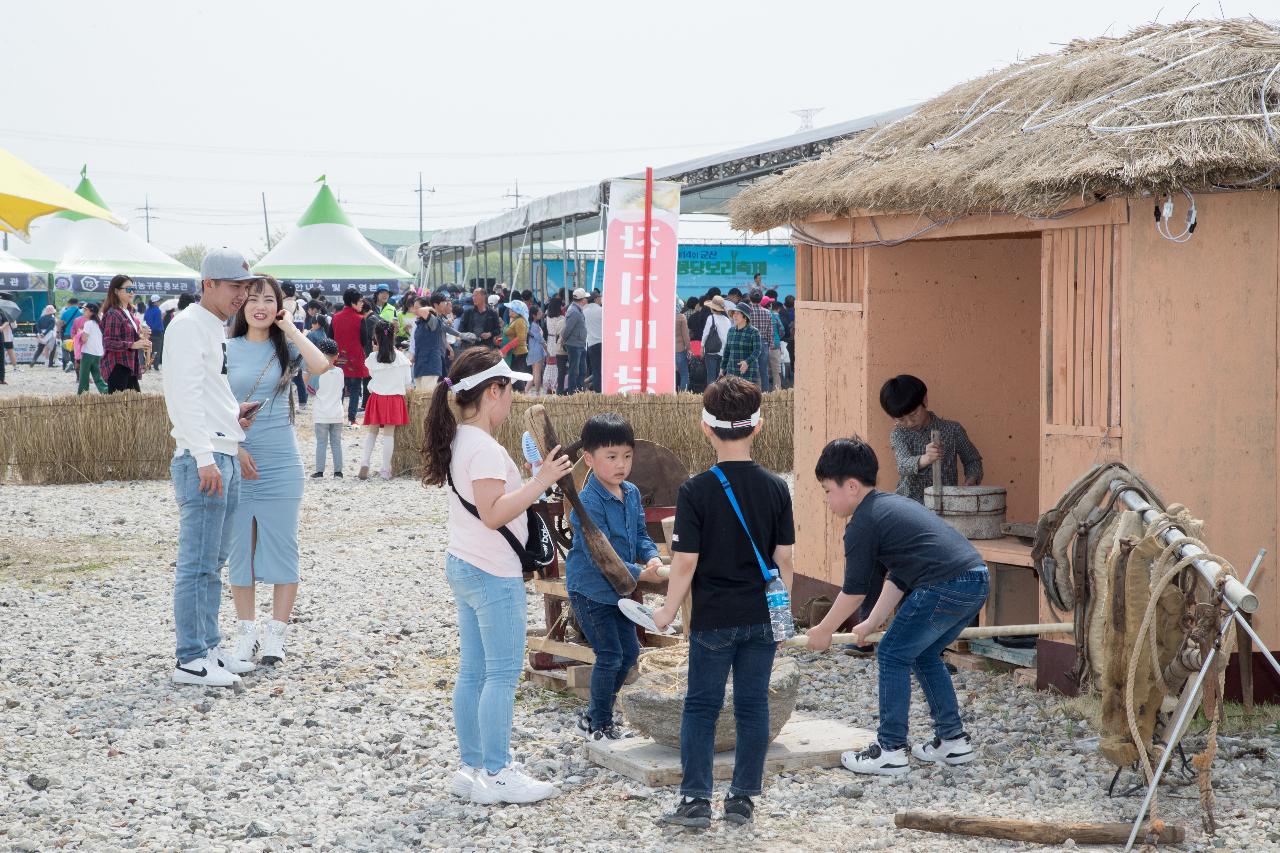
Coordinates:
[471,508]
[733,501]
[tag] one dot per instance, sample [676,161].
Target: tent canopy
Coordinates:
[327,249]
[27,194]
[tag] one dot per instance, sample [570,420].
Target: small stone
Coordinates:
[310,724]
[286,721]
[850,792]
[11,703]
[204,707]
[259,829]
[37,783]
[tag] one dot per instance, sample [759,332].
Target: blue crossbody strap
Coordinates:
[733,501]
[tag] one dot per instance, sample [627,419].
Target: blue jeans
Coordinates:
[302,388]
[491,625]
[577,368]
[766,380]
[748,650]
[204,540]
[613,638]
[682,371]
[712,361]
[354,386]
[929,619]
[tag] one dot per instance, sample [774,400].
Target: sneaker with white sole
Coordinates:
[509,785]
[246,640]
[273,642]
[876,761]
[205,672]
[230,663]
[957,750]
[463,778]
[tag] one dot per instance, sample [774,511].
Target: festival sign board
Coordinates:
[638,352]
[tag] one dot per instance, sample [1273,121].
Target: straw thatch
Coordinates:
[86,439]
[672,420]
[1192,105]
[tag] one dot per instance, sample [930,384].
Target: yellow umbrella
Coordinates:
[27,193]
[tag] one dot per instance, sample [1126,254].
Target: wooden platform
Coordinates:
[803,742]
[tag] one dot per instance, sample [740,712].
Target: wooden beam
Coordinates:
[1035,831]
[572,651]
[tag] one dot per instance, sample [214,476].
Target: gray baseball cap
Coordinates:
[225,264]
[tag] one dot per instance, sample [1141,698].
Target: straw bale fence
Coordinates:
[92,439]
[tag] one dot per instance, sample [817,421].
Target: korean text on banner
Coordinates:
[625,335]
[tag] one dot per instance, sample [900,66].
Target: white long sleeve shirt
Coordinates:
[202,409]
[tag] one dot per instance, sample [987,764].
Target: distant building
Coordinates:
[387,240]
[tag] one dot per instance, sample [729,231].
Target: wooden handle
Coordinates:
[1040,832]
[935,437]
[967,634]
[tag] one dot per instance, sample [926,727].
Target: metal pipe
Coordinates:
[1236,593]
[1185,712]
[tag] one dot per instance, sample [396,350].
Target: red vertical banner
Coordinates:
[639,295]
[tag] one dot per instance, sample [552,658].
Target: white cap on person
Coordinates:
[498,370]
[579,293]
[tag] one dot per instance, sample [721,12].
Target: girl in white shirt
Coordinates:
[390,378]
[482,567]
[91,351]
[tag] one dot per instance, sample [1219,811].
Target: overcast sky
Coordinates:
[200,107]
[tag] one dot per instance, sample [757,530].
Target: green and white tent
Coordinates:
[16,275]
[326,250]
[83,254]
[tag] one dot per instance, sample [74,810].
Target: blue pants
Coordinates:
[748,651]
[929,619]
[577,368]
[613,638]
[682,371]
[712,361]
[491,626]
[354,387]
[204,540]
[302,388]
[766,380]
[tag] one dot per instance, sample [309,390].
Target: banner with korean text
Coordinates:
[638,346]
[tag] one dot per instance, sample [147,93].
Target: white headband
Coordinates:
[711,420]
[499,369]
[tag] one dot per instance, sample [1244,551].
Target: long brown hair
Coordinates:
[240,328]
[441,426]
[116,297]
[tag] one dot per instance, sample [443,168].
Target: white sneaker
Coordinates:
[273,642]
[876,761]
[509,786]
[461,783]
[203,671]
[246,641]
[954,751]
[227,661]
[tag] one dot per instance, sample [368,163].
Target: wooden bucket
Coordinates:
[976,511]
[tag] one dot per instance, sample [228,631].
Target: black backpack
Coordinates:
[713,343]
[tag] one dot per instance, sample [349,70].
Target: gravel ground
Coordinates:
[348,745]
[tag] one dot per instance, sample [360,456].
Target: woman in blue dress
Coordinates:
[264,352]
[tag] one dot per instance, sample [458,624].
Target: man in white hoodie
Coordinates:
[208,426]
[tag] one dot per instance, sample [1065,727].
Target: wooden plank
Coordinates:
[554,587]
[572,651]
[1009,550]
[1046,329]
[1119,239]
[1061,327]
[1077,330]
[831,306]
[1086,349]
[1086,431]
[1101,326]
[802,743]
[1039,832]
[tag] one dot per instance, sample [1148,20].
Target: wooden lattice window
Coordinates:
[1082,328]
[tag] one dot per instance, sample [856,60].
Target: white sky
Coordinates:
[202,106]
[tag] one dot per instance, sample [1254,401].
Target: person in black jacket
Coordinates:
[482,321]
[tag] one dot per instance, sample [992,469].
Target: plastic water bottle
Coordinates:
[779,600]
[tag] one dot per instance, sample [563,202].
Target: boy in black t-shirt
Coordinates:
[730,628]
[944,583]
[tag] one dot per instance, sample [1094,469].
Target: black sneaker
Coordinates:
[584,723]
[609,732]
[337,475]
[866,651]
[690,812]
[317,475]
[739,810]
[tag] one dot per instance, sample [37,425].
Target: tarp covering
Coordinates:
[327,247]
[454,238]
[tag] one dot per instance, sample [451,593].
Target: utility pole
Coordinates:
[265,224]
[147,206]
[516,194]
[420,190]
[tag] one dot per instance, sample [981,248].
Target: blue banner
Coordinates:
[702,267]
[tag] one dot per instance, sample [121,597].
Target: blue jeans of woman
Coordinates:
[929,619]
[491,628]
[204,541]
[712,361]
[748,651]
[302,388]
[682,371]
[613,639]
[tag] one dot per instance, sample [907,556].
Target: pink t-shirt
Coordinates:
[477,456]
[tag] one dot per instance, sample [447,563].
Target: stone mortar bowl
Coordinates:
[654,703]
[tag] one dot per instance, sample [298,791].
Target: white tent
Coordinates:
[83,254]
[327,250]
[16,274]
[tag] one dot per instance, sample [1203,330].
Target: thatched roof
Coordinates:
[1163,108]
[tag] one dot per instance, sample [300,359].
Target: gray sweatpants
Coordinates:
[331,435]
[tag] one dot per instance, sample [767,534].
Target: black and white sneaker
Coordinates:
[204,671]
[876,761]
[739,810]
[273,642]
[957,750]
[694,811]
[610,732]
[584,723]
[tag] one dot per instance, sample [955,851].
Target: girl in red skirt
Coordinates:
[390,377]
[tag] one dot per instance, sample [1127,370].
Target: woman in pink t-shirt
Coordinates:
[485,493]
